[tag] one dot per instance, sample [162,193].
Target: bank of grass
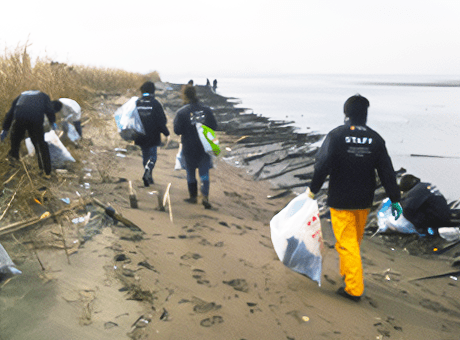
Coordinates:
[82,83]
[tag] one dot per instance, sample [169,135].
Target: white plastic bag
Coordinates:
[7,267]
[297,237]
[59,154]
[387,222]
[129,123]
[180,161]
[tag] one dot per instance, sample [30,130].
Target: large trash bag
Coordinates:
[297,237]
[129,123]
[7,266]
[386,221]
[59,154]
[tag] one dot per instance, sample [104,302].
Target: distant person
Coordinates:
[27,114]
[214,85]
[190,82]
[70,111]
[208,83]
[424,205]
[193,152]
[154,121]
[350,155]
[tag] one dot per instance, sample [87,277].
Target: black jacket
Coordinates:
[184,125]
[351,155]
[30,107]
[425,207]
[153,119]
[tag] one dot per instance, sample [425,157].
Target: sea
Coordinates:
[417,115]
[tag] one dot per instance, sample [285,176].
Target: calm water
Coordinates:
[421,120]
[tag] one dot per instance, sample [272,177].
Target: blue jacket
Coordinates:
[351,155]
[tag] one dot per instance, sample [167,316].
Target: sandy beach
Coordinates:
[180,271]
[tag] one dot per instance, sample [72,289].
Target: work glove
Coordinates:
[309,193]
[55,127]
[3,135]
[396,210]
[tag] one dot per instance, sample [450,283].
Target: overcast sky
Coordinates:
[212,38]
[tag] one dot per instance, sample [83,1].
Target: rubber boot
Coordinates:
[193,192]
[206,203]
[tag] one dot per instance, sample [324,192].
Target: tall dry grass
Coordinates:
[19,73]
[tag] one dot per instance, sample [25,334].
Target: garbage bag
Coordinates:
[387,222]
[297,237]
[59,154]
[7,266]
[208,139]
[180,161]
[129,123]
[71,132]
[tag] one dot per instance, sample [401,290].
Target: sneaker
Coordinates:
[192,200]
[206,203]
[48,177]
[341,291]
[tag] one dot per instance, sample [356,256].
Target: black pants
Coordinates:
[37,136]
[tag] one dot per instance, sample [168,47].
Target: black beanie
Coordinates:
[355,108]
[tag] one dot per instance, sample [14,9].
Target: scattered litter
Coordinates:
[120,150]
[120,155]
[305,318]
[66,200]
[454,278]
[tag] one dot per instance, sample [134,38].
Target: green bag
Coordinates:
[208,139]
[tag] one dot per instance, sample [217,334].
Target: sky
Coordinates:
[217,38]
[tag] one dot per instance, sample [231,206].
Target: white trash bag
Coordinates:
[297,237]
[59,154]
[129,123]
[387,222]
[7,267]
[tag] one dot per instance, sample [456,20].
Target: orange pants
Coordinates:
[348,227]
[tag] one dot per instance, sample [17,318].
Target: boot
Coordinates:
[193,192]
[206,203]
[145,178]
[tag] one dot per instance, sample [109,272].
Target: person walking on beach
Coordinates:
[350,155]
[154,120]
[27,114]
[193,152]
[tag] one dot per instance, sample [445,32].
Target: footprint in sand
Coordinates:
[216,319]
[200,277]
[238,284]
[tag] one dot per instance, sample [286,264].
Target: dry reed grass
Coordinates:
[84,84]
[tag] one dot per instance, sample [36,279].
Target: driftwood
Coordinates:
[35,220]
[112,213]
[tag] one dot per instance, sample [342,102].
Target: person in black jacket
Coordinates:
[154,121]
[424,205]
[350,155]
[27,114]
[192,149]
